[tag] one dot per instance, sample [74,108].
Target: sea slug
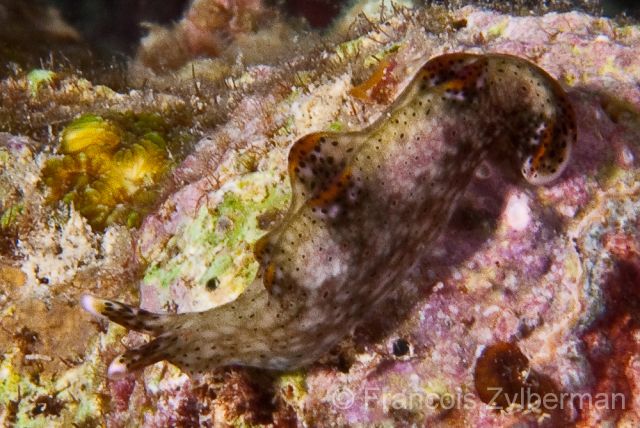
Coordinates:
[363,206]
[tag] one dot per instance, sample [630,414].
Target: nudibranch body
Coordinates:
[363,206]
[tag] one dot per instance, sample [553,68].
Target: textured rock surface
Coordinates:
[555,271]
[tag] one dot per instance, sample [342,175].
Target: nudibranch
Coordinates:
[364,205]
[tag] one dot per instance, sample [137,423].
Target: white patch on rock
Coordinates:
[518,213]
[490,310]
[54,255]
[321,106]
[627,156]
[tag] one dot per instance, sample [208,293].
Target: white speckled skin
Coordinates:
[364,203]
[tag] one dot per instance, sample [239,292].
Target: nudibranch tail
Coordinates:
[136,359]
[161,325]
[125,315]
[364,205]
[167,346]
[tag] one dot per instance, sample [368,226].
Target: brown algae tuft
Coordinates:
[505,380]
[109,167]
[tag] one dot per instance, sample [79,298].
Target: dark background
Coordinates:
[114,25]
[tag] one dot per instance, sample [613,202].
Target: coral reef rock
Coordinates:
[533,293]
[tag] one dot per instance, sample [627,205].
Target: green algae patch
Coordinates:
[336,126]
[4,156]
[9,216]
[212,254]
[374,60]
[293,386]
[109,167]
[39,78]
[349,48]
[287,128]
[497,30]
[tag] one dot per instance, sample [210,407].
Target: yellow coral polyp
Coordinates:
[89,131]
[108,171]
[139,165]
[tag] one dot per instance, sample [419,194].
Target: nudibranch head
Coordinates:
[545,133]
[541,135]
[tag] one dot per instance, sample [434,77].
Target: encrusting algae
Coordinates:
[108,168]
[364,204]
